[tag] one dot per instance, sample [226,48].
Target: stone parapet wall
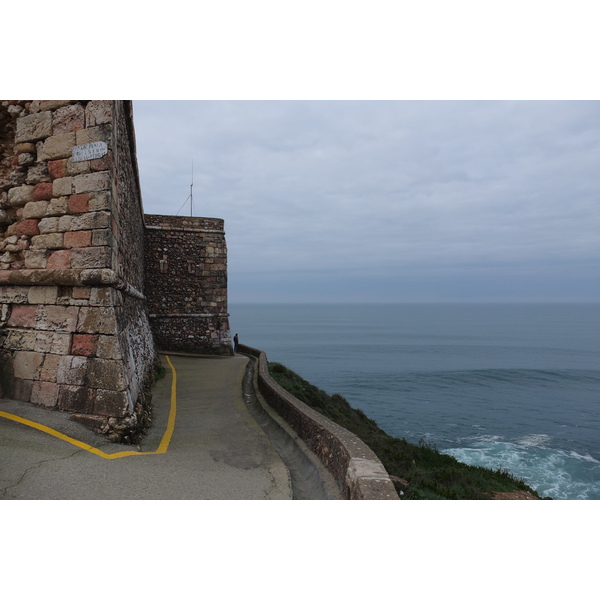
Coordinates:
[186,284]
[73,327]
[357,470]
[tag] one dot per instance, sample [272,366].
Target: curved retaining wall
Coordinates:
[355,467]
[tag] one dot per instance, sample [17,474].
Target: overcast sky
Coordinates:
[387,201]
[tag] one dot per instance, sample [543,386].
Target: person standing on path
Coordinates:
[235,342]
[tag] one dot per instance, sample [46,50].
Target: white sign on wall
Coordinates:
[90,151]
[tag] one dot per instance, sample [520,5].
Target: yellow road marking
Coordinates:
[162,448]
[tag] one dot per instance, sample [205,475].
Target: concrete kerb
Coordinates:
[356,468]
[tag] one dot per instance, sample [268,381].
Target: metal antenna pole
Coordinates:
[191,194]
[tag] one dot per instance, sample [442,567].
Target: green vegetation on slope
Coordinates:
[424,473]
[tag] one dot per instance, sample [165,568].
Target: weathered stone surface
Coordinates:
[63,186]
[37,173]
[106,374]
[91,220]
[57,207]
[71,370]
[43,191]
[52,104]
[35,210]
[19,196]
[78,203]
[78,239]
[76,399]
[92,182]
[57,318]
[27,227]
[98,112]
[22,315]
[34,127]
[68,118]
[52,342]
[57,168]
[50,367]
[48,224]
[19,339]
[102,237]
[25,159]
[107,346]
[46,294]
[26,365]
[100,133]
[57,146]
[59,259]
[84,344]
[35,259]
[99,201]
[110,403]
[44,393]
[93,257]
[97,320]
[49,240]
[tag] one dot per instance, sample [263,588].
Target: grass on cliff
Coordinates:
[430,475]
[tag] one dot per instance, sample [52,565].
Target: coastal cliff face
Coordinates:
[74,327]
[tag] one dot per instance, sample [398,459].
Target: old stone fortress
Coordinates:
[87,281]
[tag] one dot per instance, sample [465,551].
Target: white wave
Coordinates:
[535,439]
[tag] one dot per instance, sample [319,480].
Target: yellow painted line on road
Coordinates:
[162,448]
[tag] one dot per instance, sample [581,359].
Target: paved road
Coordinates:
[216,451]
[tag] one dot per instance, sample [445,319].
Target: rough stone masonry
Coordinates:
[76,261]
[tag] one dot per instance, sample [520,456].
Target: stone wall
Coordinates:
[356,468]
[186,284]
[74,332]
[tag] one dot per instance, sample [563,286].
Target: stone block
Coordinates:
[26,365]
[102,237]
[25,159]
[78,203]
[110,403]
[27,227]
[50,367]
[53,104]
[95,257]
[92,182]
[37,173]
[57,207]
[63,186]
[57,168]
[57,146]
[36,210]
[14,294]
[25,147]
[91,220]
[19,339]
[34,127]
[22,315]
[84,344]
[78,167]
[51,241]
[48,224]
[44,393]
[20,196]
[57,318]
[99,201]
[42,294]
[100,133]
[76,399]
[42,191]
[102,296]
[78,239]
[81,293]
[98,112]
[21,389]
[68,118]
[94,319]
[101,164]
[35,259]
[59,259]
[107,346]
[52,342]
[72,370]
[106,374]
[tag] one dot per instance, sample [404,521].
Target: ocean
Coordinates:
[511,386]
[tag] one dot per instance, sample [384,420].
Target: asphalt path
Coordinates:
[204,445]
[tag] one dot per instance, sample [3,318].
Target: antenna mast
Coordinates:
[191,194]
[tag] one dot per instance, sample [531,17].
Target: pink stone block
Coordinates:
[27,227]
[78,239]
[84,344]
[78,203]
[44,393]
[22,316]
[42,191]
[57,168]
[60,259]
